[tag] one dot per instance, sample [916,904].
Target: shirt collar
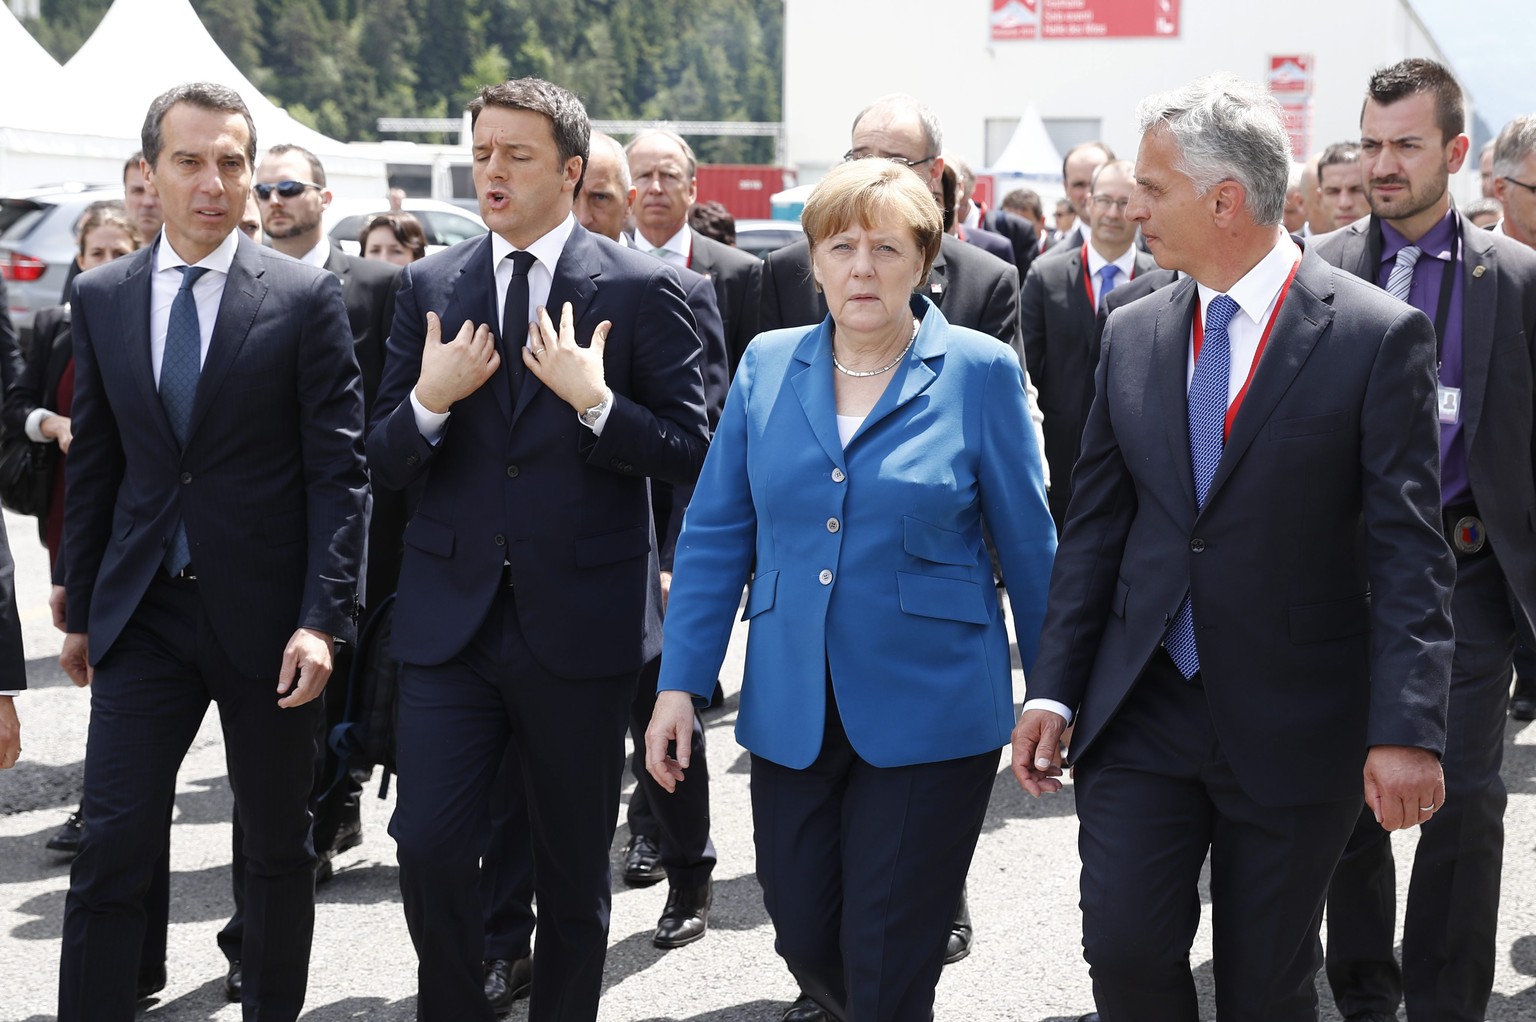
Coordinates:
[1259,287]
[1126,262]
[220,259]
[546,250]
[680,243]
[1436,242]
[317,256]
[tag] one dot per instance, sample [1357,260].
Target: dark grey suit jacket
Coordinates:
[1498,355]
[271,486]
[737,277]
[1319,577]
[1061,348]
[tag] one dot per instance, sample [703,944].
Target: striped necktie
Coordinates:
[1401,278]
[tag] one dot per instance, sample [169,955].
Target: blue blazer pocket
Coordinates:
[931,543]
[1307,425]
[760,594]
[611,547]
[951,599]
[1336,619]
[433,537]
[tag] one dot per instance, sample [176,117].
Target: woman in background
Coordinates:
[393,238]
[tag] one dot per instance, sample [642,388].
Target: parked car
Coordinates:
[444,223]
[37,243]
[763,236]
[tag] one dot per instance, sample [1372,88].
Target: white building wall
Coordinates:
[839,54]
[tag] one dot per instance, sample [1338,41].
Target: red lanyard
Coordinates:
[1093,301]
[1237,402]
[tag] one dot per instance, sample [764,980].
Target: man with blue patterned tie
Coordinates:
[215,523]
[1248,611]
[1057,313]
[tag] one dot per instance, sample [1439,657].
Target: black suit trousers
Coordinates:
[861,868]
[150,693]
[457,721]
[1155,794]
[1453,896]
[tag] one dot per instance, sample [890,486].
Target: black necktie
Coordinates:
[514,319]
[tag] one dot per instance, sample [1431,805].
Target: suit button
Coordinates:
[1197,545]
[186,477]
[413,459]
[833,525]
[837,475]
[501,540]
[511,471]
[825,576]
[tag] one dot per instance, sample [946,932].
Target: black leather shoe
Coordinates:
[1521,707]
[151,982]
[642,862]
[686,917]
[507,981]
[959,934]
[67,838]
[805,1010]
[232,980]
[1092,1016]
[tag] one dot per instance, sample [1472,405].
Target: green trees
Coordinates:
[339,65]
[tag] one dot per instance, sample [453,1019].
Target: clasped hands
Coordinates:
[1404,786]
[452,371]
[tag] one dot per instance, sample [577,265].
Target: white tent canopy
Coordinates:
[1030,153]
[29,73]
[81,130]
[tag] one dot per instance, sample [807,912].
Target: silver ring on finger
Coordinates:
[1427,809]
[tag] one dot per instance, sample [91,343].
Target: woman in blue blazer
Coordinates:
[851,478]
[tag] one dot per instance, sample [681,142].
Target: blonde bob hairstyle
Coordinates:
[875,194]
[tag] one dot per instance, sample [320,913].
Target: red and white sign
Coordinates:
[1290,74]
[1084,19]
[1298,124]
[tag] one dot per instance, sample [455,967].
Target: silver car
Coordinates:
[37,243]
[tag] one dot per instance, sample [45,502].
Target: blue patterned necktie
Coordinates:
[1401,278]
[1207,436]
[1109,276]
[179,369]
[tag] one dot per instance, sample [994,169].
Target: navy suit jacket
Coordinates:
[523,483]
[866,560]
[1498,333]
[1319,576]
[1061,347]
[737,277]
[990,242]
[271,487]
[1019,232]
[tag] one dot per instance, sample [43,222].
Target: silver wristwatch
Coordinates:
[590,417]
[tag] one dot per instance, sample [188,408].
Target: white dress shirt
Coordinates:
[1256,295]
[541,278]
[675,251]
[317,256]
[207,293]
[1126,264]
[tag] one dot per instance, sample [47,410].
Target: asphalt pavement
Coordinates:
[1026,965]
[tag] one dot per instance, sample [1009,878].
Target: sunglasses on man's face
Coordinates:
[287,189]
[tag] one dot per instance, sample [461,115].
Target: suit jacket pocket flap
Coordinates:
[1336,619]
[953,599]
[592,551]
[760,594]
[931,543]
[433,537]
[1307,425]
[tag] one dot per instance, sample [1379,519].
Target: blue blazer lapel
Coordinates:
[1480,306]
[1305,316]
[243,292]
[472,297]
[1170,364]
[135,301]
[812,381]
[914,375]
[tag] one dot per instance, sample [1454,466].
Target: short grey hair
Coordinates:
[626,181]
[900,102]
[673,137]
[1514,144]
[1227,128]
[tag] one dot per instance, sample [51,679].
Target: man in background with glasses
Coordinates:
[1058,316]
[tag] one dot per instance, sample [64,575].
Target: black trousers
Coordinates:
[861,868]
[1453,895]
[457,722]
[679,821]
[1155,794]
[148,699]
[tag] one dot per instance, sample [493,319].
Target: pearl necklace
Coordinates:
[892,364]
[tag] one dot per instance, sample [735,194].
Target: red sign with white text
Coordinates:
[1290,75]
[1084,19]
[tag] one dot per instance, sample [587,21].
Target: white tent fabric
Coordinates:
[1030,153]
[30,73]
[79,130]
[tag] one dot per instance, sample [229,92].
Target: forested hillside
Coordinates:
[339,65]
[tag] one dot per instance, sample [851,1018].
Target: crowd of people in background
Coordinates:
[1240,438]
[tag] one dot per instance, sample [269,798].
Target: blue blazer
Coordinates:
[869,561]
